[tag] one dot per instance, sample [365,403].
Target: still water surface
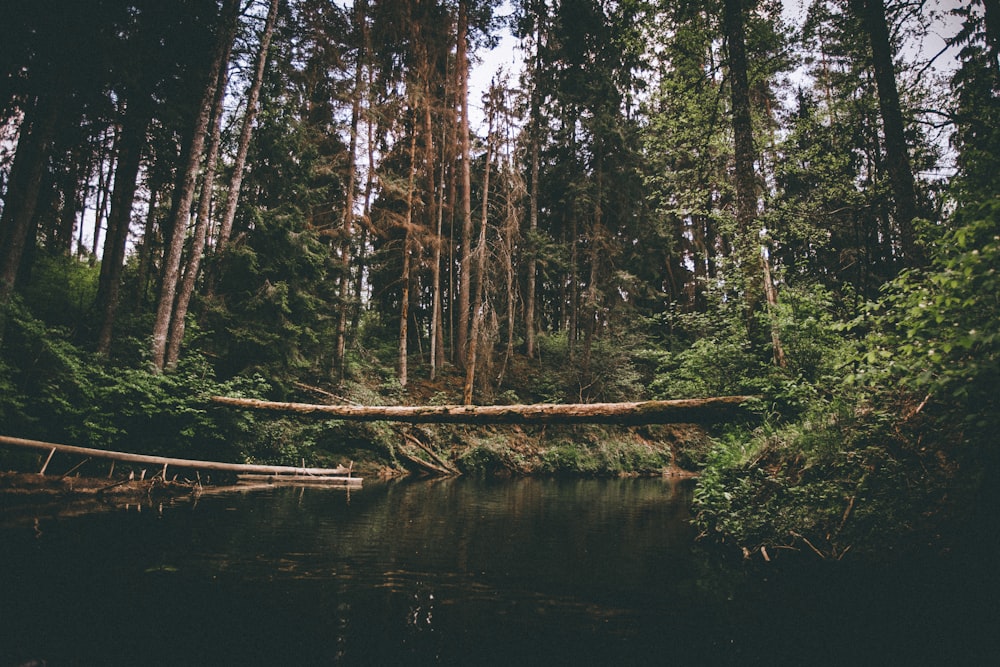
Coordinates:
[463,572]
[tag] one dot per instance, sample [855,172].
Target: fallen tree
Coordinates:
[164,461]
[686,410]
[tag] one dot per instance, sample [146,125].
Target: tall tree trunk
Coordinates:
[366,211]
[436,197]
[246,130]
[573,322]
[535,125]
[88,174]
[18,219]
[480,257]
[130,147]
[105,178]
[465,202]
[177,320]
[597,244]
[404,307]
[70,186]
[532,263]
[184,194]
[147,247]
[872,13]
[748,245]
[513,198]
[437,330]
[343,314]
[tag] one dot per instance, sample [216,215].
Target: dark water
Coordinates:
[459,572]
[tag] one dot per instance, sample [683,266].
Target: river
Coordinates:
[459,572]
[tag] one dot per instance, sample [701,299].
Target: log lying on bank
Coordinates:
[164,462]
[687,410]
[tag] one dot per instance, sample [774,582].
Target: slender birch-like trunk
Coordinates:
[177,319]
[246,130]
[748,247]
[465,201]
[480,259]
[184,196]
[130,145]
[343,314]
[404,308]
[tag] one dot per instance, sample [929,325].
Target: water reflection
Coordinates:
[456,571]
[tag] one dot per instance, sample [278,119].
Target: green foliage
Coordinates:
[50,386]
[170,414]
[608,373]
[838,480]
[845,474]
[487,460]
[596,451]
[273,315]
[570,458]
[940,328]
[708,354]
[62,290]
[56,392]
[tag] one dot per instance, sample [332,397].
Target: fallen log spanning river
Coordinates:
[687,410]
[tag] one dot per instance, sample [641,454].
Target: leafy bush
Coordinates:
[62,290]
[940,328]
[826,485]
[55,391]
[607,374]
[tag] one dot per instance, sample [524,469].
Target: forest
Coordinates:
[331,201]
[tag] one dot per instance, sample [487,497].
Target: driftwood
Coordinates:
[421,465]
[436,466]
[688,410]
[166,461]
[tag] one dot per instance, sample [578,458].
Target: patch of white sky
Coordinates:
[502,60]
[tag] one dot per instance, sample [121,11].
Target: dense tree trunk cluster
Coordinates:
[293,177]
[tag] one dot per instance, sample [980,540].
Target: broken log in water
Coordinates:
[687,410]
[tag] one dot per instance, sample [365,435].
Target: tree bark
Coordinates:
[175,335]
[480,258]
[130,147]
[360,20]
[748,246]
[404,307]
[146,248]
[465,202]
[18,219]
[872,13]
[437,330]
[105,178]
[71,182]
[184,197]
[177,463]
[535,137]
[689,410]
[246,130]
